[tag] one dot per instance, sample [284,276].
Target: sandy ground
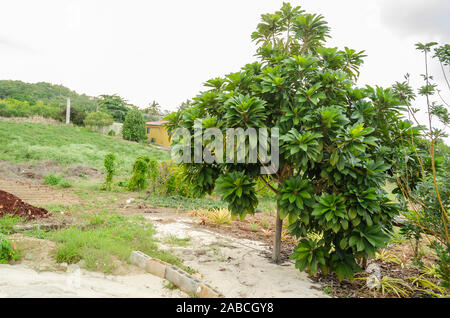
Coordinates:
[235,267]
[22,281]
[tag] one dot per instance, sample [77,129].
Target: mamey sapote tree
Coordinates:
[329,183]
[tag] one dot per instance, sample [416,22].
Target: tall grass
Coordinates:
[106,238]
[68,145]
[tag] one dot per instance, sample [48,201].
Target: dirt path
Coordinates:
[235,267]
[22,281]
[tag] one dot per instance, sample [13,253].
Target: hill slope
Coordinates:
[48,94]
[68,145]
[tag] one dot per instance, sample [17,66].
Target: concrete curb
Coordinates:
[173,274]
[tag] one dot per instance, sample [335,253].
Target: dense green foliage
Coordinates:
[134,126]
[98,119]
[114,106]
[68,145]
[10,107]
[19,99]
[141,173]
[110,168]
[423,174]
[334,146]
[7,251]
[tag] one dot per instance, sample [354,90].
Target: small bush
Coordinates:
[7,223]
[111,133]
[138,180]
[110,168]
[98,119]
[52,180]
[7,251]
[59,181]
[65,184]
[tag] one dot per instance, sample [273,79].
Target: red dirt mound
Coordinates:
[10,204]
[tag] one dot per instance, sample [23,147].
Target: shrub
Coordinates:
[138,180]
[134,126]
[111,133]
[98,119]
[11,107]
[7,251]
[110,168]
[52,180]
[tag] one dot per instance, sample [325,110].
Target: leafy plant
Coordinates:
[138,180]
[110,168]
[52,179]
[334,144]
[7,251]
[98,119]
[134,126]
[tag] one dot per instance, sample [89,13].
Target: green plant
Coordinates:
[7,223]
[110,168]
[52,180]
[138,180]
[396,286]
[426,193]
[109,237]
[134,126]
[111,133]
[173,240]
[7,251]
[254,227]
[334,145]
[113,105]
[169,285]
[65,184]
[98,119]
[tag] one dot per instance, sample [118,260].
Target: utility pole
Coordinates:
[68,111]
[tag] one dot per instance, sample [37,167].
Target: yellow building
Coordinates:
[156,132]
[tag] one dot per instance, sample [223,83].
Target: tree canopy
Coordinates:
[337,142]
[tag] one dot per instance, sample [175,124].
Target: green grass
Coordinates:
[106,238]
[7,223]
[176,241]
[68,145]
[186,204]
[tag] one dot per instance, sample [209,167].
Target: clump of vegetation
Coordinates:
[134,126]
[10,107]
[52,180]
[138,180]
[335,142]
[98,119]
[68,145]
[7,251]
[58,181]
[109,237]
[423,179]
[110,168]
[7,223]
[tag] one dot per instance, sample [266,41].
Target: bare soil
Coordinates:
[38,195]
[12,205]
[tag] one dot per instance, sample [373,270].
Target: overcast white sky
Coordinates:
[165,50]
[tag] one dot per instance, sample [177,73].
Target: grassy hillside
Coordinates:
[68,145]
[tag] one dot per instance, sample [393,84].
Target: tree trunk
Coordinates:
[277,240]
